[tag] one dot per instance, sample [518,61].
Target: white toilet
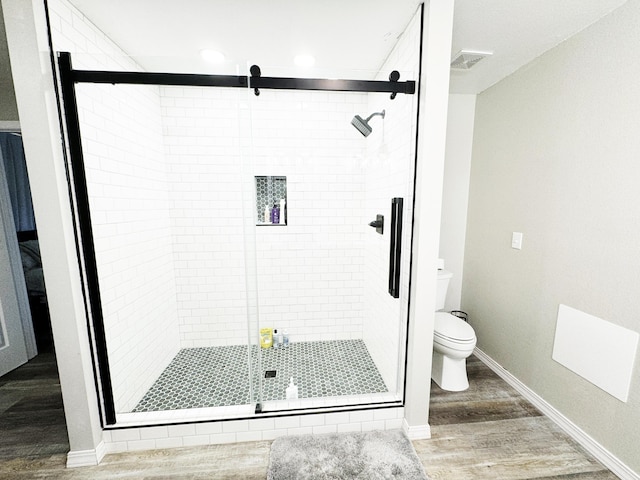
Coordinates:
[453,341]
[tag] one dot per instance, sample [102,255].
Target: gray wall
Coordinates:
[8,108]
[556,156]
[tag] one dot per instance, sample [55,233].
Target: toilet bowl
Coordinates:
[453,342]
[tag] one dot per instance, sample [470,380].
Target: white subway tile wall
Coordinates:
[390,173]
[202,139]
[129,201]
[310,273]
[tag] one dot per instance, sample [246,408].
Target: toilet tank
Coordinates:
[442,285]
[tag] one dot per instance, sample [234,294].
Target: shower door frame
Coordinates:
[78,185]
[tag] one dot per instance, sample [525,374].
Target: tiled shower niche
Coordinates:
[271,194]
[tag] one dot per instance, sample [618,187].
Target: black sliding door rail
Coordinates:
[237,81]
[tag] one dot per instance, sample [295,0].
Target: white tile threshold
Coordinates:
[272,408]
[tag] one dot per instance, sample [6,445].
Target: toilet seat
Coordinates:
[449,329]
[452,343]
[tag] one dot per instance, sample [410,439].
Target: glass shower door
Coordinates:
[164,200]
[331,288]
[220,220]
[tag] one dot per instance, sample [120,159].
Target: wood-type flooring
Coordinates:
[491,432]
[486,432]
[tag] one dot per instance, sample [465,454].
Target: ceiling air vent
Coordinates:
[465,59]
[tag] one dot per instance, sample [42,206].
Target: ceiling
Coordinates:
[516,31]
[343,35]
[347,37]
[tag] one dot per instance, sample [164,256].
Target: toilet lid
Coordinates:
[450,326]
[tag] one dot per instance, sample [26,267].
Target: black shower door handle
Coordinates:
[395,247]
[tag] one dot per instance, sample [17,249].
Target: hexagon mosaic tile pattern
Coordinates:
[269,191]
[218,376]
[321,369]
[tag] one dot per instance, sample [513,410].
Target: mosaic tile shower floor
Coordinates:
[217,376]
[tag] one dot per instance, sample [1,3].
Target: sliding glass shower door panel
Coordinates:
[165,198]
[332,333]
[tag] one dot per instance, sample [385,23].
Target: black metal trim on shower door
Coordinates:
[395,247]
[86,231]
[286,83]
[274,414]
[240,81]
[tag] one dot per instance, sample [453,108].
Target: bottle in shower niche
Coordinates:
[283,218]
[275,214]
[267,214]
[285,339]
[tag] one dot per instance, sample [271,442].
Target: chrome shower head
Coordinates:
[362,125]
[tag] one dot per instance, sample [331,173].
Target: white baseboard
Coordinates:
[86,458]
[594,448]
[416,432]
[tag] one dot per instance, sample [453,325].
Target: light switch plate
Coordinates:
[516,240]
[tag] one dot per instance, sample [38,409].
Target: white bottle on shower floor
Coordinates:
[292,390]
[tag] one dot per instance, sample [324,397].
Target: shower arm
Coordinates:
[374,114]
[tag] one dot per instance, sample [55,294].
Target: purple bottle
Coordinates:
[275,214]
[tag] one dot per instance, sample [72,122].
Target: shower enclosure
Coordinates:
[214,210]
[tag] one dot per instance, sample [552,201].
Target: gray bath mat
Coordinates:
[373,455]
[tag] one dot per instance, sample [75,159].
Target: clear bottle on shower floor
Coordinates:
[279,339]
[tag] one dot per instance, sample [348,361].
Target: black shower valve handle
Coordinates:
[378,224]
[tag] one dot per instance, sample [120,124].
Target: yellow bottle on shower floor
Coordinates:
[266,337]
